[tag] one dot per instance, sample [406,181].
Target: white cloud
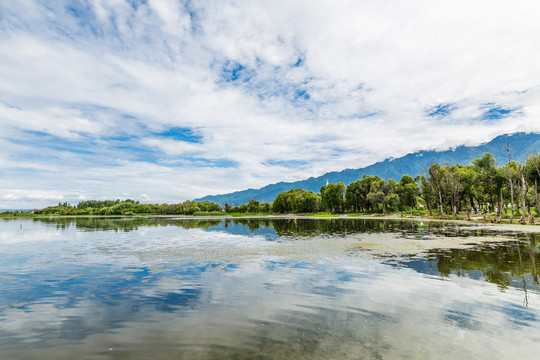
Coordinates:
[62,122]
[173,147]
[365,75]
[16,195]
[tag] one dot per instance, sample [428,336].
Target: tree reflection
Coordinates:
[501,263]
[125,224]
[504,264]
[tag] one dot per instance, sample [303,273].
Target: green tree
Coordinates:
[280,204]
[333,197]
[265,207]
[532,171]
[353,196]
[376,195]
[383,195]
[408,191]
[253,206]
[427,192]
[524,188]
[486,169]
[452,178]
[296,201]
[436,178]
[468,184]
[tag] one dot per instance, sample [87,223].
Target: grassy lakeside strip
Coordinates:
[233,214]
[488,219]
[323,215]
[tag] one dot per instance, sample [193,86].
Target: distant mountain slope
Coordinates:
[521,144]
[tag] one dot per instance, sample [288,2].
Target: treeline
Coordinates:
[129,207]
[509,190]
[254,207]
[369,194]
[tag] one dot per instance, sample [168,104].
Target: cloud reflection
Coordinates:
[121,293]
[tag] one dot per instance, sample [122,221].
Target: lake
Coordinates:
[155,288]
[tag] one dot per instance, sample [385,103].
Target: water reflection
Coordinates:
[499,262]
[125,224]
[203,289]
[281,227]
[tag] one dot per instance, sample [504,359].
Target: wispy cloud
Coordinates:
[178,99]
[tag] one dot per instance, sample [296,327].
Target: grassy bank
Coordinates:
[462,217]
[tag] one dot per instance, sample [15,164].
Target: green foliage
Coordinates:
[96,204]
[129,208]
[333,197]
[443,189]
[253,207]
[208,213]
[323,214]
[408,192]
[392,202]
[296,201]
[241,214]
[356,194]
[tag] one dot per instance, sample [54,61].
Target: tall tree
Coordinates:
[500,181]
[391,195]
[427,191]
[333,197]
[524,189]
[532,166]
[510,183]
[253,205]
[468,184]
[436,178]
[353,196]
[453,185]
[486,168]
[408,191]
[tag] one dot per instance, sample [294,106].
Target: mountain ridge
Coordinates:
[521,144]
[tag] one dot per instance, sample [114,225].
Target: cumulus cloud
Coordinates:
[273,90]
[17,195]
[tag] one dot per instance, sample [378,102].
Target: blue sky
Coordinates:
[167,100]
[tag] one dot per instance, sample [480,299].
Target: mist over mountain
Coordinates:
[521,145]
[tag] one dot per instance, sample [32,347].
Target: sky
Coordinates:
[170,100]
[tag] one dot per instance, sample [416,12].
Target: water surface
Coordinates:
[93,288]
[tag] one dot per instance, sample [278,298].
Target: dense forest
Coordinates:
[508,191]
[129,207]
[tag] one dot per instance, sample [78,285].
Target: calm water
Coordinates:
[272,289]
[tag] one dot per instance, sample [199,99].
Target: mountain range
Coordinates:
[521,144]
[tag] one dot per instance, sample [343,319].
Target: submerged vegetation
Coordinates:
[509,191]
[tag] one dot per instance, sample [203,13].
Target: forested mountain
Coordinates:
[521,144]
